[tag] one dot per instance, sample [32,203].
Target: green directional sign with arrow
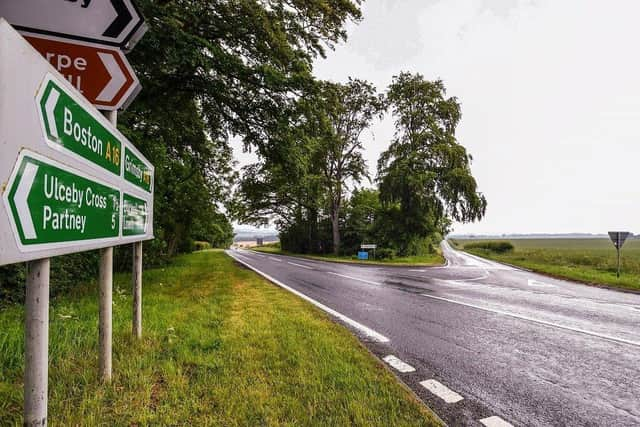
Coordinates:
[137,171]
[49,204]
[135,216]
[68,124]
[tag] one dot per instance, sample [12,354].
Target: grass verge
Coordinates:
[418,261]
[591,261]
[221,346]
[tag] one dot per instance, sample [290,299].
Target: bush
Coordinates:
[491,246]
[385,253]
[201,246]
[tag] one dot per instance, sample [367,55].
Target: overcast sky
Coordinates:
[550,94]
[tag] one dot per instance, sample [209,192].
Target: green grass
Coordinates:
[587,260]
[221,346]
[426,260]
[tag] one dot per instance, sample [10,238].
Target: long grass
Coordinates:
[587,260]
[221,346]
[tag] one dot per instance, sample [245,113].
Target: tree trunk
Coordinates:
[335,225]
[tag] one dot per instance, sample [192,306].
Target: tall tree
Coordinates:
[349,110]
[212,69]
[425,171]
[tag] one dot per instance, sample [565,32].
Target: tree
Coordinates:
[425,172]
[361,213]
[212,69]
[349,110]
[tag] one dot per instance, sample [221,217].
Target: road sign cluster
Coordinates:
[68,179]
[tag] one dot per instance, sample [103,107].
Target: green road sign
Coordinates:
[50,204]
[135,216]
[68,124]
[136,171]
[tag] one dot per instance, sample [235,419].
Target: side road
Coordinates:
[221,346]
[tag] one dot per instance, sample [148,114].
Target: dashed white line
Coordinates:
[275,259]
[495,421]
[370,333]
[442,391]
[398,364]
[418,271]
[542,322]
[356,278]
[539,284]
[300,265]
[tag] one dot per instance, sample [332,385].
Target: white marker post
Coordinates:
[36,354]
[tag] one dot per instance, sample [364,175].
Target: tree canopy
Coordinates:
[425,171]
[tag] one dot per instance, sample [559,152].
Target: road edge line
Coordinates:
[376,336]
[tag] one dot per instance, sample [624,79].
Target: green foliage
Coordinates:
[361,212]
[347,110]
[424,176]
[201,246]
[499,247]
[385,253]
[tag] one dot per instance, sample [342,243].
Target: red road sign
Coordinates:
[102,74]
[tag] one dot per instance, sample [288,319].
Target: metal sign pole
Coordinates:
[36,363]
[105,322]
[137,290]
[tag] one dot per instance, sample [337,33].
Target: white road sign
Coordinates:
[109,22]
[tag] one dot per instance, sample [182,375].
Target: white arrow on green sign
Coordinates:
[51,204]
[68,124]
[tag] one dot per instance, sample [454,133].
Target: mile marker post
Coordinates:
[105,322]
[36,354]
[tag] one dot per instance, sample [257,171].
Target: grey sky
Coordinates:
[550,94]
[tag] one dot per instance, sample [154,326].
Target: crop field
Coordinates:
[587,260]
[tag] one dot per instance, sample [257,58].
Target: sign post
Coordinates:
[618,238]
[69,182]
[36,354]
[370,246]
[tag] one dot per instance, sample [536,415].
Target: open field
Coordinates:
[427,260]
[586,260]
[221,346]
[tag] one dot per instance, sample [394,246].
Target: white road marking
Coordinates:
[275,259]
[542,322]
[356,278]
[300,265]
[495,421]
[376,336]
[442,391]
[536,283]
[398,364]
[418,271]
